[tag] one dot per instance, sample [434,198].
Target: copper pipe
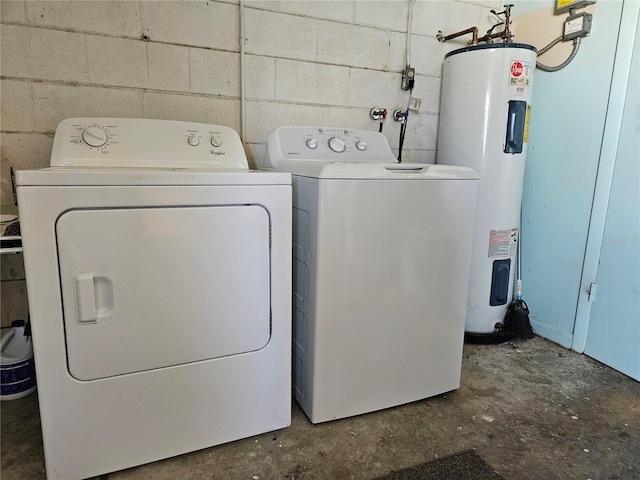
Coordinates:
[472,30]
[505,34]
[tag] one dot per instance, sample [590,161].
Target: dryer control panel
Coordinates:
[132,142]
[328,144]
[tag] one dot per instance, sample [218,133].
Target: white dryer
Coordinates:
[158,274]
[382,252]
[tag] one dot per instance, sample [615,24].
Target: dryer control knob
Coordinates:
[94,136]
[312,143]
[193,140]
[360,145]
[337,145]
[216,141]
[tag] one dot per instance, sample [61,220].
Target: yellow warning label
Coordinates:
[563,3]
[527,117]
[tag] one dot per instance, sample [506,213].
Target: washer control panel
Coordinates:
[329,144]
[130,142]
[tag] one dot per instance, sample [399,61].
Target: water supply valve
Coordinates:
[399,115]
[378,113]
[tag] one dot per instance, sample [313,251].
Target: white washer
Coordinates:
[158,274]
[381,266]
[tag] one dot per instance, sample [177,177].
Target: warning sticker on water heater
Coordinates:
[519,73]
[503,243]
[527,120]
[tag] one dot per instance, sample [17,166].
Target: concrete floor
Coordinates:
[532,410]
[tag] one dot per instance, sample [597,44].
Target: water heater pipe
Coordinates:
[472,30]
[505,34]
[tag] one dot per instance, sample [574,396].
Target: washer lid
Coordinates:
[59,176]
[376,171]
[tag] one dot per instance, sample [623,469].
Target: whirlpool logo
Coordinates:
[217,153]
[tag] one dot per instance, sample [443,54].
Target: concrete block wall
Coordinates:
[307,63]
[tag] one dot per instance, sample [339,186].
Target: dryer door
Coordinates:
[147,288]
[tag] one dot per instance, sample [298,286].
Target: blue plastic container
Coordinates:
[17,370]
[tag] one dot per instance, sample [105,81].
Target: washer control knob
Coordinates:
[337,145]
[94,136]
[193,140]
[312,143]
[361,145]
[216,141]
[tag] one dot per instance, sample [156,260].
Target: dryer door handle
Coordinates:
[85,298]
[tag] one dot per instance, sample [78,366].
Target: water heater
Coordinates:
[484,123]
